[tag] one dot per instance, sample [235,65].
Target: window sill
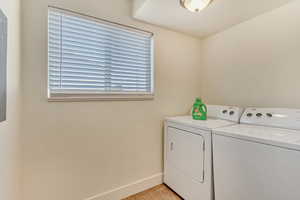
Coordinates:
[99,97]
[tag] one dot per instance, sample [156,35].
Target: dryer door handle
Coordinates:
[172,146]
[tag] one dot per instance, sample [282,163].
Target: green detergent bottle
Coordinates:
[199,110]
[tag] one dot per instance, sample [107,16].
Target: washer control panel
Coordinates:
[276,117]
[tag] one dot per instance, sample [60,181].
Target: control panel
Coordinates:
[231,113]
[275,117]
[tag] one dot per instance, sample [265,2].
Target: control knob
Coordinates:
[259,115]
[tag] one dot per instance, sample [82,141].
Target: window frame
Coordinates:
[99,96]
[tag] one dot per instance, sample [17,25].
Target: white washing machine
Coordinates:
[259,158]
[187,155]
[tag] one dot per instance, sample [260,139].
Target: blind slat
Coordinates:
[100,35]
[100,59]
[79,22]
[57,78]
[98,56]
[83,37]
[87,48]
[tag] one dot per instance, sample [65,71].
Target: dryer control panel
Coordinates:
[274,117]
[230,113]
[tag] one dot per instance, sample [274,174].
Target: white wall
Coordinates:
[255,63]
[9,130]
[77,150]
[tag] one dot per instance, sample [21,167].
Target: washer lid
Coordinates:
[208,124]
[262,134]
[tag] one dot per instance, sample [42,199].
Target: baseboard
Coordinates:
[130,189]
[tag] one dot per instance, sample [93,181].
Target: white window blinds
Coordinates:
[94,58]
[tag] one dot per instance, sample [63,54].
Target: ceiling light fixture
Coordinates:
[195,5]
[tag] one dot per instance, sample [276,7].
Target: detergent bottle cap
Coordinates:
[198,101]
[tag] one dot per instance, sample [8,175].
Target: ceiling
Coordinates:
[220,15]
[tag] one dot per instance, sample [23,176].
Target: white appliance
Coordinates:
[188,154]
[259,158]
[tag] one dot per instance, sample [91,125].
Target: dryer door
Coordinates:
[187,157]
[185,152]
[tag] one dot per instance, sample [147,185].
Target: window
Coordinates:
[93,59]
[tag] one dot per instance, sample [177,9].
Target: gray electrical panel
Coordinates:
[3,62]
